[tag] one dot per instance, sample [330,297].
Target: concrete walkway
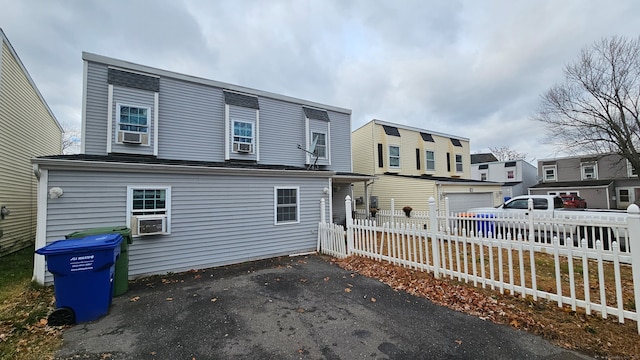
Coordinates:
[289,308]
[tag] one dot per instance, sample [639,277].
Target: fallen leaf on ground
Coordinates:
[214,299]
[373,299]
[459,342]
[347,290]
[169,299]
[135,298]
[326,278]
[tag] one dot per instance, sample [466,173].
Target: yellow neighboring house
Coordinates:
[28,129]
[411,165]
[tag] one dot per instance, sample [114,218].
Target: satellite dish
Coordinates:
[311,151]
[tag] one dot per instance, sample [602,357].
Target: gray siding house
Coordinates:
[28,129]
[516,176]
[605,181]
[204,173]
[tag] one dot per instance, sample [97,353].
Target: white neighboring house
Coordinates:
[516,175]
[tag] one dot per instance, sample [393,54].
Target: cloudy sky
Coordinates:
[471,68]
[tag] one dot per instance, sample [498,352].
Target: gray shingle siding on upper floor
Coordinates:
[132,80]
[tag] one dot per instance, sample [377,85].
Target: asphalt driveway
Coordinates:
[289,308]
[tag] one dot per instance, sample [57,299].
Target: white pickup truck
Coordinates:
[552,219]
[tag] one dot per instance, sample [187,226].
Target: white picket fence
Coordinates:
[502,253]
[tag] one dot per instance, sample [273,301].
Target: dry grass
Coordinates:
[24,334]
[587,333]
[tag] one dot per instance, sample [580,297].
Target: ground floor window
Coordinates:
[149,209]
[287,205]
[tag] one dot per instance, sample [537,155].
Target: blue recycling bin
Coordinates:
[83,271]
[485,226]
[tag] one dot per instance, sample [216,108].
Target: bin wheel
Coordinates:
[62,316]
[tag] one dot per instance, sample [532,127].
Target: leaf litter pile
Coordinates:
[588,334]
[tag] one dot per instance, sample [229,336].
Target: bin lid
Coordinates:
[120,229]
[92,242]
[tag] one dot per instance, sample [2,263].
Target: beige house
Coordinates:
[28,129]
[411,165]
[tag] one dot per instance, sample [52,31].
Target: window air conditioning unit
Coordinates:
[148,225]
[132,137]
[242,147]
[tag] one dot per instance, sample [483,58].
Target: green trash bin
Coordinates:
[121,275]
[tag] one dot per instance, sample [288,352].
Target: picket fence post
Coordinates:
[435,253]
[347,207]
[321,228]
[393,210]
[633,221]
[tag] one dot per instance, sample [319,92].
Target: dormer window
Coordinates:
[133,124]
[243,136]
[320,139]
[589,171]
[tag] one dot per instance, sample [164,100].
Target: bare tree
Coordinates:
[504,153]
[71,139]
[595,110]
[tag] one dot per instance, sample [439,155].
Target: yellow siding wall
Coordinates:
[405,191]
[365,142]
[27,130]
[363,150]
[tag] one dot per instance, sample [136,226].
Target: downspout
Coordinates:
[608,199]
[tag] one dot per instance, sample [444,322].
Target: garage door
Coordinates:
[466,201]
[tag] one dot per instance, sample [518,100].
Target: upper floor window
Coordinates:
[511,174]
[320,139]
[131,118]
[483,176]
[394,156]
[630,170]
[243,136]
[549,173]
[287,205]
[431,160]
[133,123]
[459,163]
[589,171]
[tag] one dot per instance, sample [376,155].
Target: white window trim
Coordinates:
[150,121]
[630,170]
[326,145]
[583,166]
[308,140]
[253,135]
[426,167]
[167,190]
[455,160]
[544,172]
[228,130]
[389,156]
[275,205]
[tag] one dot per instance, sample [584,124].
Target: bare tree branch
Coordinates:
[597,107]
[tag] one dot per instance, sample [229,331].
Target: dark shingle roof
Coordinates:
[583,183]
[483,158]
[147,159]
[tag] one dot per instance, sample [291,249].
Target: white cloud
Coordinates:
[468,68]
